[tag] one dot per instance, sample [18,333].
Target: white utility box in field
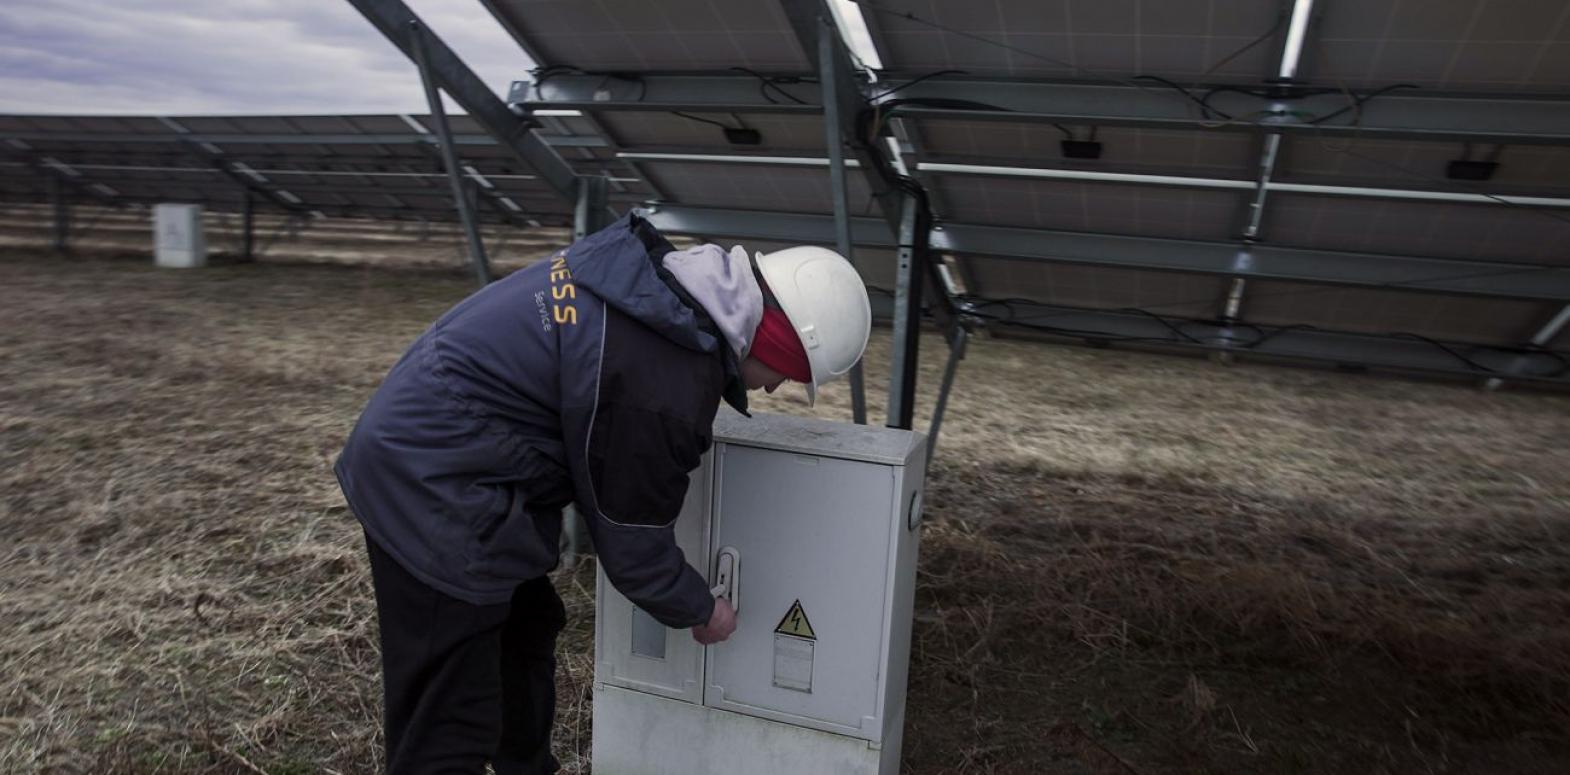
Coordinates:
[815,527]
[178,240]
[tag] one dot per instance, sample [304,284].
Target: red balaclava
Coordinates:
[777,345]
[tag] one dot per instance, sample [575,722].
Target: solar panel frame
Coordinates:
[1529,170]
[1123,149]
[1108,208]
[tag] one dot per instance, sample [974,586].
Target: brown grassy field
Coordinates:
[1132,564]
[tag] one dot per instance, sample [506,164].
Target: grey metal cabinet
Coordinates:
[818,526]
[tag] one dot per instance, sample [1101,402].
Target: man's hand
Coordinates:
[721,624]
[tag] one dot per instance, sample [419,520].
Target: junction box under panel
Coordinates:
[178,239]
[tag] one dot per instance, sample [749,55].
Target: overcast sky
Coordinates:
[187,57]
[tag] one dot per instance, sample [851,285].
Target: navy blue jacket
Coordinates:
[590,378]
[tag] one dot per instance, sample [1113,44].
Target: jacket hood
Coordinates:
[623,265]
[620,264]
[725,285]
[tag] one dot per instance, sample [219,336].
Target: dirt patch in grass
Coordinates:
[1132,563]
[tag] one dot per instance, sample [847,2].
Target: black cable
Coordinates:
[869,121]
[1284,92]
[765,83]
[1471,364]
[1163,321]
[691,117]
[1263,338]
[1281,19]
[979,306]
[1205,109]
[913,82]
[1358,102]
[1413,284]
[1070,135]
[1013,320]
[941,103]
[908,16]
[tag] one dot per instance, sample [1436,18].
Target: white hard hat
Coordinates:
[826,301]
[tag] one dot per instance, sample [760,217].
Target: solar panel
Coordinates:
[388,162]
[665,35]
[1178,39]
[1454,45]
[1457,45]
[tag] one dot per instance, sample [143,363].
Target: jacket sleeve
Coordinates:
[631,467]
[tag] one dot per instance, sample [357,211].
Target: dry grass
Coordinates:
[1133,564]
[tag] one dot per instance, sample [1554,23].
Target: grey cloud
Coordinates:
[228,56]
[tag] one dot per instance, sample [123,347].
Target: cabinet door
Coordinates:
[813,538]
[634,651]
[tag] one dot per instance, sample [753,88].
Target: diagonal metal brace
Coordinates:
[392,18]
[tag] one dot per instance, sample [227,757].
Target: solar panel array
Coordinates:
[1189,175]
[384,166]
[1449,45]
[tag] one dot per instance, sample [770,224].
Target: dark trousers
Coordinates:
[466,684]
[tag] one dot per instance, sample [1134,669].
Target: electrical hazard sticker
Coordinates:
[795,645]
[795,623]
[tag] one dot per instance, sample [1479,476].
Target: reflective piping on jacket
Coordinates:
[588,436]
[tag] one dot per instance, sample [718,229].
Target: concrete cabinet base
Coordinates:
[636,733]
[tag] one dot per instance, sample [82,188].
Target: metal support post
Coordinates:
[957,343]
[1543,336]
[247,226]
[907,317]
[482,267]
[833,125]
[62,213]
[1269,153]
[590,214]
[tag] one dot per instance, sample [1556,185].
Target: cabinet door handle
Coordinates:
[727,572]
